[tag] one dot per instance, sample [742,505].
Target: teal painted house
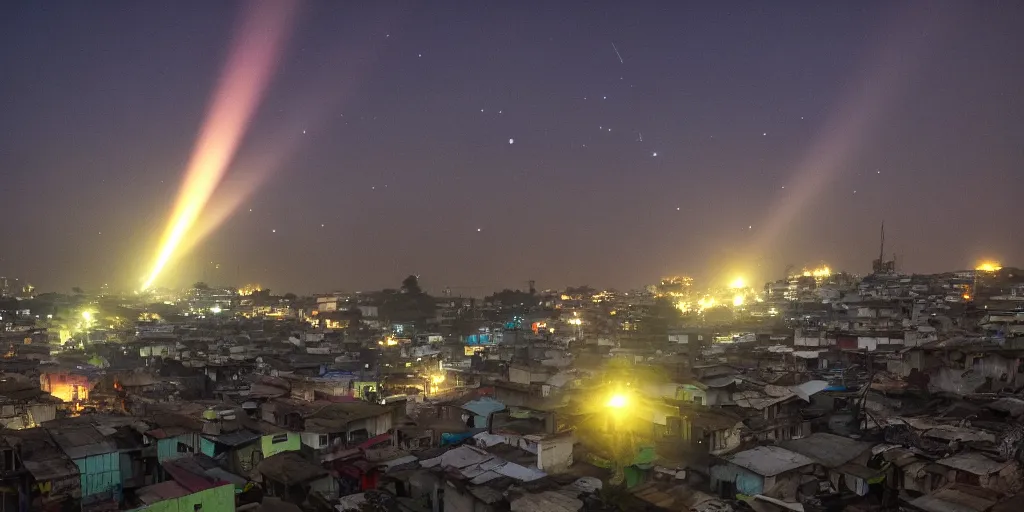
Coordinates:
[175,435]
[97,457]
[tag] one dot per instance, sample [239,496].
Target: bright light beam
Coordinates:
[315,103]
[896,58]
[247,72]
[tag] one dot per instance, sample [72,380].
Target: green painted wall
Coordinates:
[218,499]
[277,443]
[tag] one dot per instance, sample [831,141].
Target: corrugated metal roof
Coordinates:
[974,463]
[769,460]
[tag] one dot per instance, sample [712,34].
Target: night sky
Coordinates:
[481,146]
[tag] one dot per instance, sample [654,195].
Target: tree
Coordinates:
[289,297]
[411,285]
[76,290]
[201,286]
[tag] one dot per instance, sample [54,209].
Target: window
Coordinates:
[323,440]
[698,400]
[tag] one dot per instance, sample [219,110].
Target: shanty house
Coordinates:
[97,457]
[757,470]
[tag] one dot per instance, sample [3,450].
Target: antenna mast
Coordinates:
[881,247]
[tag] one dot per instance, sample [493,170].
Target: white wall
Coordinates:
[554,454]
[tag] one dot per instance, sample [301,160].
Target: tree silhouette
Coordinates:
[411,285]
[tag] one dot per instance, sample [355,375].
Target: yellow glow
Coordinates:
[737,300]
[738,283]
[989,266]
[967,296]
[249,289]
[437,379]
[818,273]
[241,86]
[390,341]
[706,303]
[617,401]
[87,315]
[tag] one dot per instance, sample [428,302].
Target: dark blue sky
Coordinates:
[864,111]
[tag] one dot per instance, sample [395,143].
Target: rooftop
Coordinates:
[973,462]
[290,468]
[829,450]
[769,460]
[957,498]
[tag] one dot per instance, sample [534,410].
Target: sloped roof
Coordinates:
[826,449]
[80,441]
[769,460]
[973,462]
[957,498]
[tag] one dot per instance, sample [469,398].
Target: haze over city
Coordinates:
[465,256]
[482,145]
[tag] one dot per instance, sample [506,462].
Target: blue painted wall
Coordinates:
[100,474]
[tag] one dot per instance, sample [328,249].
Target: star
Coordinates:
[303,132]
[419,55]
[677,208]
[250,210]
[321,225]
[477,230]
[765,134]
[654,154]
[273,231]
[510,141]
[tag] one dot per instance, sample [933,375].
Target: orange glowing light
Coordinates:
[246,75]
[989,266]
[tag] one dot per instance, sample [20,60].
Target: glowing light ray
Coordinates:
[247,72]
[877,86]
[318,101]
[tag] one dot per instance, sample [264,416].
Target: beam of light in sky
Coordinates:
[897,56]
[313,106]
[247,72]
